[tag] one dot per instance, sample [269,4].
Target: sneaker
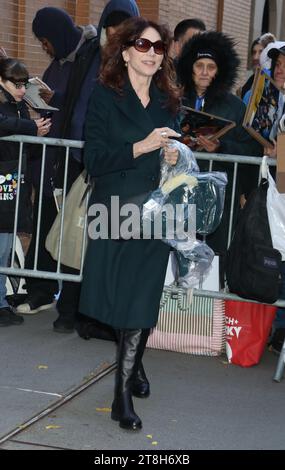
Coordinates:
[5,319]
[64,325]
[16,299]
[277,340]
[34,305]
[15,319]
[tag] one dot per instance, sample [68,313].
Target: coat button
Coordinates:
[123,174]
[152,178]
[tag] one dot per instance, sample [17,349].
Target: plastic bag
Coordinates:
[182,184]
[276,215]
[185,203]
[247,329]
[186,163]
[194,259]
[204,190]
[209,198]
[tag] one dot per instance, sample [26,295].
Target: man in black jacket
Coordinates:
[81,81]
[65,43]
[80,87]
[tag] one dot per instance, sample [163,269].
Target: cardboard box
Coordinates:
[280,169]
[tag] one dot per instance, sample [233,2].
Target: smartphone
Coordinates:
[47,114]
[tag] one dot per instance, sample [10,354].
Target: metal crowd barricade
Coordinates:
[236,160]
[44,142]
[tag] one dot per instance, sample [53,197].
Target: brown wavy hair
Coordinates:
[113,72]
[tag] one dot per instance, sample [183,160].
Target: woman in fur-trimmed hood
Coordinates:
[207,70]
[218,48]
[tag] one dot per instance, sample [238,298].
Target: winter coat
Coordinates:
[219,100]
[85,71]
[123,279]
[57,77]
[235,142]
[14,119]
[81,83]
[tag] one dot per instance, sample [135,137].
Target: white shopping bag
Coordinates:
[276,215]
[211,280]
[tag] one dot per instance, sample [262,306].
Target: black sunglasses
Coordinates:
[144,45]
[19,84]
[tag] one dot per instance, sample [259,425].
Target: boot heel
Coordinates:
[134,426]
[122,411]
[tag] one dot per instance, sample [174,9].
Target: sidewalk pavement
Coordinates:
[196,403]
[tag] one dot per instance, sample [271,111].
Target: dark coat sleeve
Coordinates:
[238,141]
[101,154]
[58,98]
[14,125]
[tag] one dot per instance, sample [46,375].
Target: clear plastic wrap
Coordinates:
[204,190]
[193,262]
[186,163]
[187,202]
[209,198]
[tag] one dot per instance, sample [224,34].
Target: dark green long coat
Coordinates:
[123,280]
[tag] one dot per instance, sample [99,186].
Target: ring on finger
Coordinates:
[163,134]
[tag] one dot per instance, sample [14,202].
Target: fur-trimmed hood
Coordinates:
[222,48]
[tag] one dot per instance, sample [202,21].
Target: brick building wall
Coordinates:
[236,22]
[96,8]
[173,11]
[16,19]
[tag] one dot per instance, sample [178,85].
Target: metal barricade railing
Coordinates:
[44,142]
[235,160]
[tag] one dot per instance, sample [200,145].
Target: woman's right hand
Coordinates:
[158,138]
[43,126]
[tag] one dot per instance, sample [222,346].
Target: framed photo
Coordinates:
[195,123]
[264,110]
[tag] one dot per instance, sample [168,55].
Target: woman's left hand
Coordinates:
[171,155]
[208,145]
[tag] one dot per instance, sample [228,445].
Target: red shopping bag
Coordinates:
[247,330]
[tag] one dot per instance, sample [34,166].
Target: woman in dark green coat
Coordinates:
[131,117]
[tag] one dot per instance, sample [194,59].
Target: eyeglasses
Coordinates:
[144,45]
[19,85]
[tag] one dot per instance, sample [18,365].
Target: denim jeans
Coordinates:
[279,321]
[6,240]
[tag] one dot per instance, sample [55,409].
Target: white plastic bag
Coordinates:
[276,215]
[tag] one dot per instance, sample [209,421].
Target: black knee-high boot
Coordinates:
[140,385]
[130,351]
